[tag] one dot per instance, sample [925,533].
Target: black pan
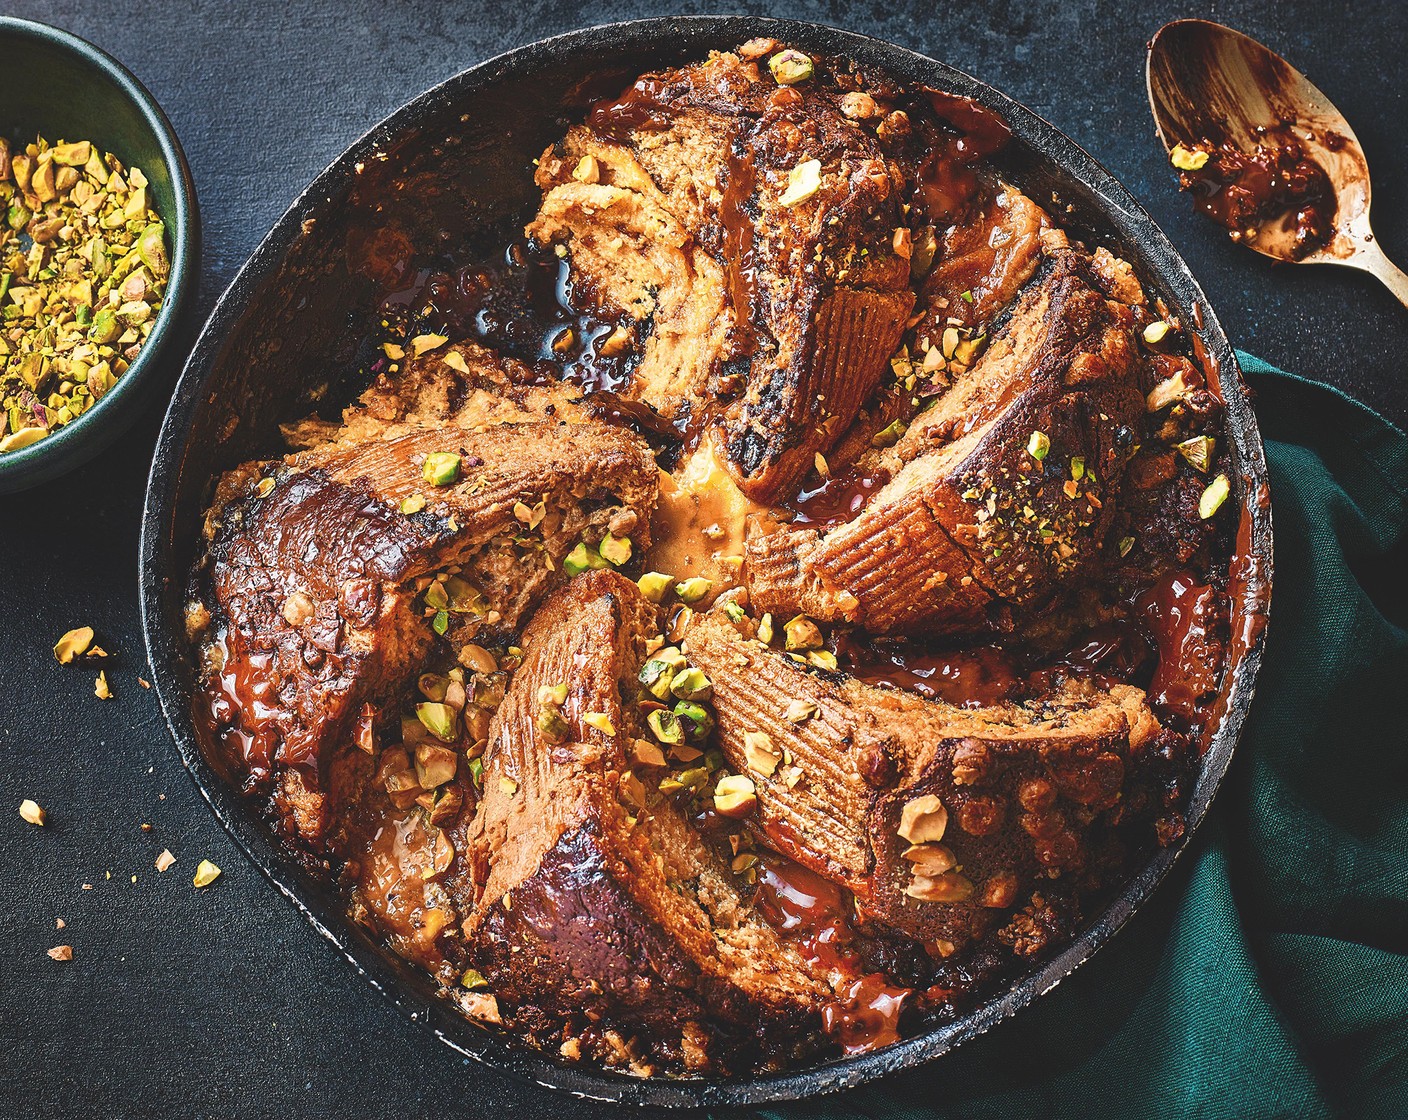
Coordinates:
[281,342]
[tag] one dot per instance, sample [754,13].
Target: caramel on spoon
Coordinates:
[1210,85]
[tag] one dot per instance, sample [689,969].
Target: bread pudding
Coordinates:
[763,611]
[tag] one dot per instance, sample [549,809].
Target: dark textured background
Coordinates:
[223,1002]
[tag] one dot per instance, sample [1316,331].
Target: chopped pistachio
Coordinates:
[435,765]
[615,550]
[60,953]
[101,689]
[462,597]
[31,812]
[1187,159]
[1166,392]
[798,711]
[554,694]
[790,67]
[1126,543]
[473,980]
[441,622]
[692,684]
[801,633]
[601,721]
[441,468]
[582,558]
[1154,333]
[760,753]
[735,795]
[1213,497]
[765,629]
[1038,445]
[1077,468]
[1198,451]
[166,861]
[206,873]
[822,659]
[694,589]
[803,182]
[508,786]
[889,435]
[424,343]
[655,585]
[414,504]
[552,725]
[657,676]
[734,610]
[439,719]
[665,726]
[73,644]
[696,720]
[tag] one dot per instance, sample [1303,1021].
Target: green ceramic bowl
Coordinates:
[55,84]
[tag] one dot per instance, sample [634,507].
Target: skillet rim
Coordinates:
[1158,260]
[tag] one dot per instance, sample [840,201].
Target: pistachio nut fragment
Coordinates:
[691,684]
[790,67]
[1198,451]
[439,719]
[441,468]
[73,644]
[1039,446]
[665,726]
[803,182]
[889,435]
[581,559]
[735,795]
[801,634]
[694,589]
[655,585]
[1214,496]
[615,550]
[1154,333]
[601,721]
[696,720]
[760,753]
[206,873]
[32,813]
[1187,159]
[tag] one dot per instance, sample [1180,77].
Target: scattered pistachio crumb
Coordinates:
[206,873]
[1187,159]
[73,644]
[101,689]
[601,721]
[31,812]
[165,860]
[61,953]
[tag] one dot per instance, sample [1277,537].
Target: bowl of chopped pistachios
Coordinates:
[99,240]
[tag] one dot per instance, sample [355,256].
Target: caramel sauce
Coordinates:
[946,179]
[814,914]
[241,707]
[975,678]
[519,303]
[391,884]
[836,500]
[1275,182]
[1181,615]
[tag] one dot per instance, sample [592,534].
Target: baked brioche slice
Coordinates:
[765,309]
[937,818]
[318,567]
[600,917]
[999,494]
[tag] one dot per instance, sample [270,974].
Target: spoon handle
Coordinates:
[1392,277]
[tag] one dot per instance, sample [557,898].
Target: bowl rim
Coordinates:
[164,642]
[83,438]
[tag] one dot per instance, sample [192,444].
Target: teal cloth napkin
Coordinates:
[1268,976]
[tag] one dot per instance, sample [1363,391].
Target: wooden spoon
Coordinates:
[1207,81]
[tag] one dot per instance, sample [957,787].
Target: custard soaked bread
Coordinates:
[753,236]
[320,566]
[940,820]
[999,493]
[600,909]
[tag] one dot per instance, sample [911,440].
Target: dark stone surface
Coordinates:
[223,1002]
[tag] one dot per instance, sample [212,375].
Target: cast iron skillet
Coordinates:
[281,342]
